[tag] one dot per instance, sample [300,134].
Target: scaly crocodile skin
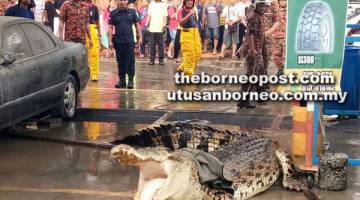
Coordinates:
[253,162]
[181,134]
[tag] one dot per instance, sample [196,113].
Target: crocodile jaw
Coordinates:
[153,176]
[131,156]
[154,167]
[164,175]
[147,192]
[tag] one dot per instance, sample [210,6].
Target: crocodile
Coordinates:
[168,170]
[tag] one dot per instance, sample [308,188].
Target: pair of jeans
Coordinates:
[156,39]
[144,34]
[125,58]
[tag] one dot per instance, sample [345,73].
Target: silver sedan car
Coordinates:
[38,72]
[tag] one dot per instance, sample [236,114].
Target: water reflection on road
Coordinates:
[40,170]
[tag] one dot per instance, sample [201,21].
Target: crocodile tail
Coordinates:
[294,178]
[308,179]
[310,194]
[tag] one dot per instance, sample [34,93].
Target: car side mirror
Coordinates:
[8,58]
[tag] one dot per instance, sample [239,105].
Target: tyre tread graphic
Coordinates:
[314,29]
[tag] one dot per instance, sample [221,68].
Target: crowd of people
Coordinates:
[161,29]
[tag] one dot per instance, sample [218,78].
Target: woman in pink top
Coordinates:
[172,10]
[106,13]
[143,10]
[105,27]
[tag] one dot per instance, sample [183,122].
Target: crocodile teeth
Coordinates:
[129,155]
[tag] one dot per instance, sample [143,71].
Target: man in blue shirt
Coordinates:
[20,10]
[122,20]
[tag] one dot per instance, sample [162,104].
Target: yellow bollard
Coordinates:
[301,118]
[299,129]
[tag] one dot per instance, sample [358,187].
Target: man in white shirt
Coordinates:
[157,16]
[232,16]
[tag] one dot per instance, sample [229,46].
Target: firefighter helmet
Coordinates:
[255,2]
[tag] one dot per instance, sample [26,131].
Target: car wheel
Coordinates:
[68,103]
[315,29]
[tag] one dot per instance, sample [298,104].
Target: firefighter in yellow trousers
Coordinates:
[190,38]
[94,52]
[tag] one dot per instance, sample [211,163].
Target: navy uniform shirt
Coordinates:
[94,14]
[123,20]
[17,11]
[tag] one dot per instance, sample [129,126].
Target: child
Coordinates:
[190,37]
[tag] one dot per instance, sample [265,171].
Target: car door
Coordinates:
[6,92]
[21,77]
[52,64]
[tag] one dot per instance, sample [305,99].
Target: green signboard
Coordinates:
[316,36]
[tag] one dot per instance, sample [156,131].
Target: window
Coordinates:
[39,40]
[15,43]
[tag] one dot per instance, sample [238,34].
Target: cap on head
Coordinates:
[255,2]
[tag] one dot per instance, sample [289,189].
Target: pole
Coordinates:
[309,135]
[315,159]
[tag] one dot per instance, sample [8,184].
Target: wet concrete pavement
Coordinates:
[71,160]
[38,170]
[153,82]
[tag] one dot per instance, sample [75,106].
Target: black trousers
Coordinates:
[221,37]
[156,39]
[177,46]
[242,32]
[125,58]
